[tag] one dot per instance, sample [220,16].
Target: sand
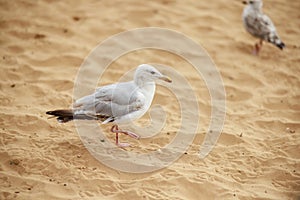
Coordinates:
[43,44]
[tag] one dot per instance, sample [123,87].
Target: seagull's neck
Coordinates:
[141,82]
[256,8]
[145,85]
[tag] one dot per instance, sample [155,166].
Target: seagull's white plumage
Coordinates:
[260,25]
[118,102]
[121,102]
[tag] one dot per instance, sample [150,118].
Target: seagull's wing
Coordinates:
[111,101]
[259,25]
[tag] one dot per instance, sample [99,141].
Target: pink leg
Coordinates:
[115,129]
[257,47]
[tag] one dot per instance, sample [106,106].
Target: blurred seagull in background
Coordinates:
[116,103]
[260,25]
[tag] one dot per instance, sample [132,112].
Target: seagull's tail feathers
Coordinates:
[273,38]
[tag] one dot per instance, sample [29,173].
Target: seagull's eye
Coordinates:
[152,72]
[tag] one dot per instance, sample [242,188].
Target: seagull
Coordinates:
[116,103]
[260,25]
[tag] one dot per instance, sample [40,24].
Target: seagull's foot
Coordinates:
[122,145]
[131,134]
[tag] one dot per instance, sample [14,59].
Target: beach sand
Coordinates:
[43,44]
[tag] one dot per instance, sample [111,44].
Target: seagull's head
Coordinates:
[148,73]
[256,4]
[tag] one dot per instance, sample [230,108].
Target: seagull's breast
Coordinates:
[148,91]
[140,103]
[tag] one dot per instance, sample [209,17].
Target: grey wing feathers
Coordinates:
[261,26]
[111,101]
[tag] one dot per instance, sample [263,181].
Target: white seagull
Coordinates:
[116,103]
[260,25]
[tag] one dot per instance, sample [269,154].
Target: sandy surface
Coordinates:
[43,43]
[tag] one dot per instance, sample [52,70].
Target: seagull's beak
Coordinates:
[166,78]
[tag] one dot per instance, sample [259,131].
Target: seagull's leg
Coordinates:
[257,47]
[115,129]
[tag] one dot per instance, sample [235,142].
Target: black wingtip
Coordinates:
[63,116]
[49,112]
